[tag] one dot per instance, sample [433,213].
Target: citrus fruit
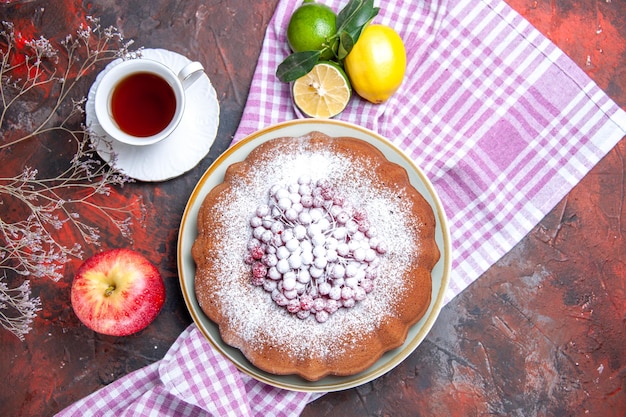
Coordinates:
[377,63]
[311,27]
[322,93]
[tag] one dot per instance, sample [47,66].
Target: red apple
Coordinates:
[117,292]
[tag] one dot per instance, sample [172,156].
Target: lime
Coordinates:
[377,63]
[311,28]
[324,92]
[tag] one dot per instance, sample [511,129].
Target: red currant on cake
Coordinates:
[311,250]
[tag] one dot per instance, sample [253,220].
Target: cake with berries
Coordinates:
[314,256]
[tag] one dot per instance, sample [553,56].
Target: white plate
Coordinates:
[179,152]
[215,175]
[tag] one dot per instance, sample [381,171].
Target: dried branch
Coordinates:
[17,308]
[30,244]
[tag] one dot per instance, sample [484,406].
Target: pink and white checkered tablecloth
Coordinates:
[500,120]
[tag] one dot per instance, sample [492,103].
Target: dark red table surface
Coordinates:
[541,333]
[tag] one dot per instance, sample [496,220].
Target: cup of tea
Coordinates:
[141,101]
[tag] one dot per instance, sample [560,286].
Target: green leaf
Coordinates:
[350,22]
[345,13]
[346,44]
[355,15]
[297,65]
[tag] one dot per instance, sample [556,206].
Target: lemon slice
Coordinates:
[322,93]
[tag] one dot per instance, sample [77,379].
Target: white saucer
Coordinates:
[179,152]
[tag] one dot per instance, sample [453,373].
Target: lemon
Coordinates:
[324,92]
[311,28]
[377,63]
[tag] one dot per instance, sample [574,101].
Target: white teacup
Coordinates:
[140,101]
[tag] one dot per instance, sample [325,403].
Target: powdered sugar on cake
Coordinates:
[312,250]
[250,311]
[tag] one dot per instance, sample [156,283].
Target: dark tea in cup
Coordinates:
[140,102]
[143,104]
